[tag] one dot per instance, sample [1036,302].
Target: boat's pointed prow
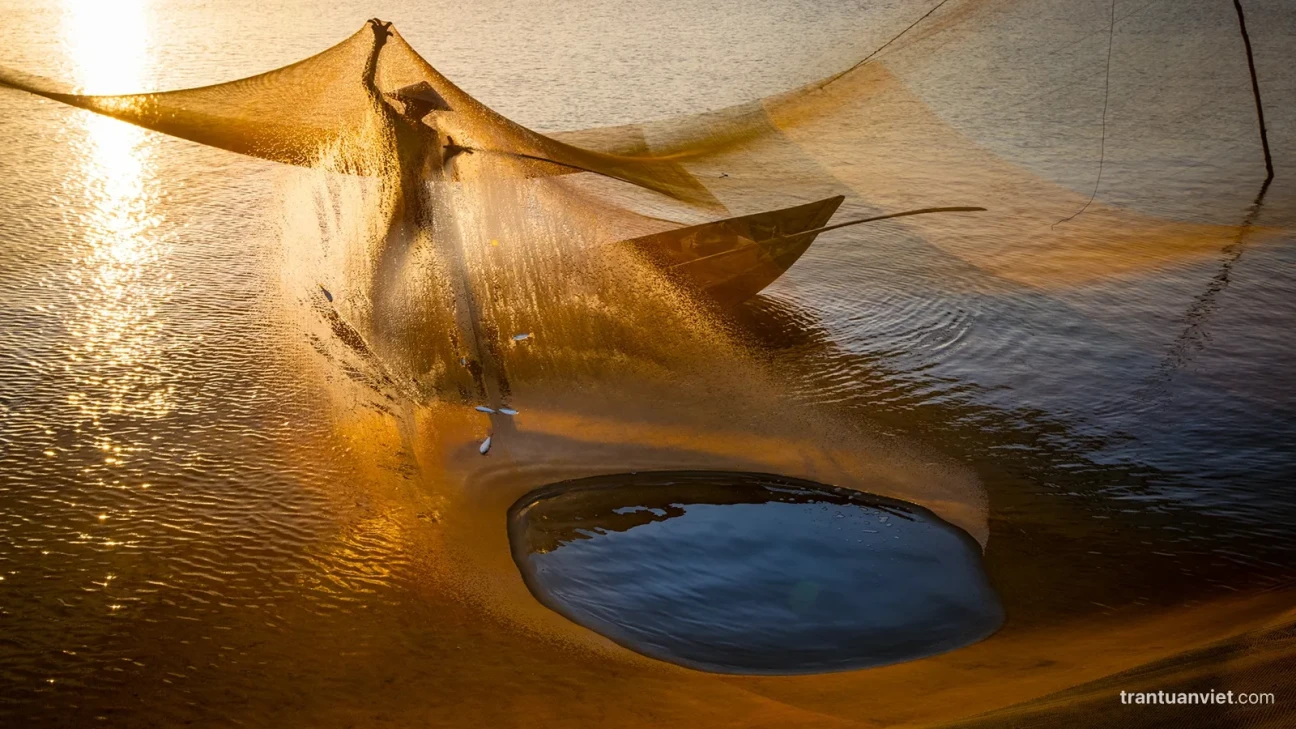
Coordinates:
[731,260]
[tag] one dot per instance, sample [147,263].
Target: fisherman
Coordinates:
[418,145]
[421,156]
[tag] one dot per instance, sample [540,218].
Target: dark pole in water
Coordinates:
[1255,90]
[1194,335]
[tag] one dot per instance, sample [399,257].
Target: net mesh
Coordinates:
[1002,104]
[321,112]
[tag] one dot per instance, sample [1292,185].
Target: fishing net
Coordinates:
[1103,140]
[1159,147]
[320,112]
[1123,88]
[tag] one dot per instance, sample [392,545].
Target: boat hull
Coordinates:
[732,260]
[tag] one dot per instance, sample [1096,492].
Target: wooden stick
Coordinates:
[1255,90]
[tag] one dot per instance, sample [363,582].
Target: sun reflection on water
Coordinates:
[122,277]
[108,41]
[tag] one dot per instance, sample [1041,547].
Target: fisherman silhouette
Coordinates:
[420,162]
[418,147]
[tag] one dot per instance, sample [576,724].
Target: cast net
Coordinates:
[1105,140]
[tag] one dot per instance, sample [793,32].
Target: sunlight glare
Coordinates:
[123,278]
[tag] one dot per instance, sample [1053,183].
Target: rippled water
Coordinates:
[201,522]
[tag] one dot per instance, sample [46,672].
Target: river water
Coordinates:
[207,518]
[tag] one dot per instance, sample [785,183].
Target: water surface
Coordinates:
[751,573]
[210,514]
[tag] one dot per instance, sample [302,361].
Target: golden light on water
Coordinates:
[108,41]
[122,277]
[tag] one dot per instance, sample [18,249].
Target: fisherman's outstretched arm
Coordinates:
[381,31]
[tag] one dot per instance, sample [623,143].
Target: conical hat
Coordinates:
[421,93]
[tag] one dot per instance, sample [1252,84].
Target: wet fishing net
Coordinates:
[330,111]
[1147,107]
[1048,147]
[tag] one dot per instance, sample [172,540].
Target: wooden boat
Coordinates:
[731,260]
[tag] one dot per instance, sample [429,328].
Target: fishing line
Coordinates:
[883,47]
[905,214]
[1102,145]
[835,226]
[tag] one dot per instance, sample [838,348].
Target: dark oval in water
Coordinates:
[752,573]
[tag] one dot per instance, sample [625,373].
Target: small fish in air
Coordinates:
[483,409]
[508,411]
[520,337]
[485,446]
[327,295]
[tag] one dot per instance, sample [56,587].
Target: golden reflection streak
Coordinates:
[117,357]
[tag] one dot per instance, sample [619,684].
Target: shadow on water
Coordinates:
[752,573]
